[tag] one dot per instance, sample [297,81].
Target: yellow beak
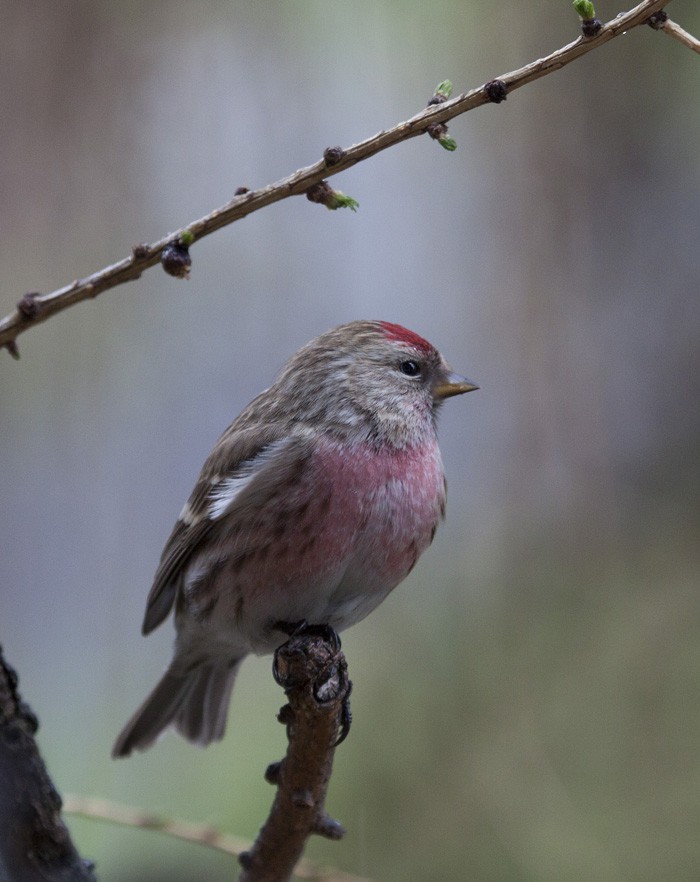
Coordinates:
[452,384]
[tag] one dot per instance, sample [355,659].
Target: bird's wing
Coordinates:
[243,470]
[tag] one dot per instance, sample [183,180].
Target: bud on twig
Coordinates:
[29,306]
[496,91]
[140,252]
[333,155]
[324,194]
[175,257]
[443,91]
[658,19]
[438,131]
[590,25]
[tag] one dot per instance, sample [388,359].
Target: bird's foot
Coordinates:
[345,716]
[303,628]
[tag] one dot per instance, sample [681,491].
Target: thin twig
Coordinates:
[201,834]
[35,308]
[674,30]
[105,810]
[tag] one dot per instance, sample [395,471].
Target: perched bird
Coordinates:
[316,501]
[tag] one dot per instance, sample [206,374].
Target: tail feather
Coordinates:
[195,703]
[202,717]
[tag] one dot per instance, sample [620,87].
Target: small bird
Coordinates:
[313,505]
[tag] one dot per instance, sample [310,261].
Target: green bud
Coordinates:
[444,89]
[186,238]
[585,9]
[340,200]
[447,142]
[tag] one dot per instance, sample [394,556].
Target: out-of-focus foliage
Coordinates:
[526,705]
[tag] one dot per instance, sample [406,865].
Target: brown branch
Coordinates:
[313,672]
[34,308]
[35,845]
[200,834]
[661,22]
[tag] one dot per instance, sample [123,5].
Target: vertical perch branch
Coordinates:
[313,672]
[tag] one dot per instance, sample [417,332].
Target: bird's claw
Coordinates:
[302,628]
[345,720]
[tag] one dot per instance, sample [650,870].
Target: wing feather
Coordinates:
[240,475]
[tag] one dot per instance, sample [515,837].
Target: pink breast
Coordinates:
[389,501]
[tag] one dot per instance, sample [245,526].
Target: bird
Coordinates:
[312,506]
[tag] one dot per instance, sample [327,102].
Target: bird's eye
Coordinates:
[410,368]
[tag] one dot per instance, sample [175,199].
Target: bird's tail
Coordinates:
[196,703]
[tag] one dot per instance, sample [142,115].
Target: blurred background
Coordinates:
[526,703]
